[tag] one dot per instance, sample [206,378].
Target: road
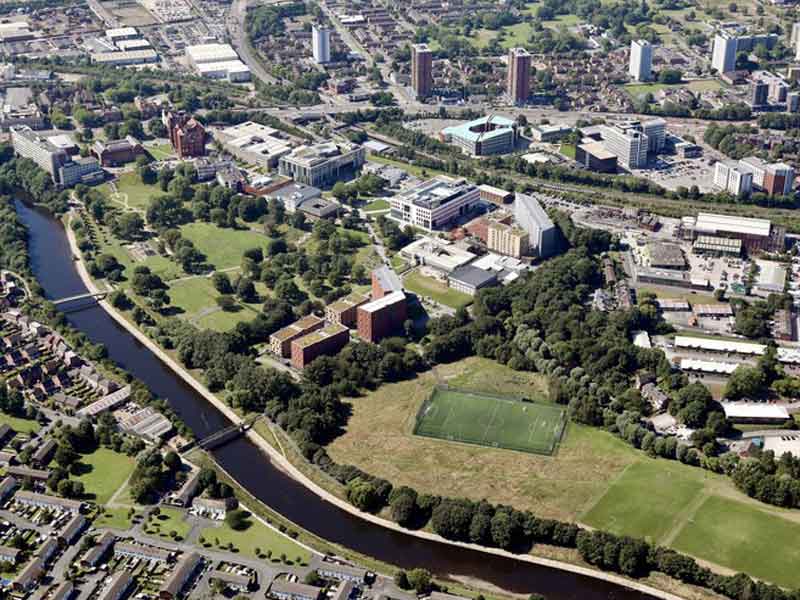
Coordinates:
[238,33]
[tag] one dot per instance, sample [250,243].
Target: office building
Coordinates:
[255,143]
[550,133]
[656,132]
[728,176]
[507,239]
[759,93]
[421,70]
[325,341]
[641,60]
[281,341]
[495,195]
[321,164]
[770,178]
[482,137]
[628,143]
[724,53]
[186,134]
[385,281]
[321,44]
[435,203]
[518,86]
[469,279]
[382,317]
[62,168]
[18,116]
[343,310]
[542,232]
[594,157]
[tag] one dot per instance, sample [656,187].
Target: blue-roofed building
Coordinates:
[488,135]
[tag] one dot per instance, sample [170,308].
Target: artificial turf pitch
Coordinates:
[494,421]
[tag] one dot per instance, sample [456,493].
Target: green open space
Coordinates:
[490,420]
[19,424]
[167,521]
[427,286]
[702,85]
[376,205]
[115,518]
[745,538]
[256,536]
[197,299]
[160,151]
[138,194]
[222,247]
[645,500]
[567,150]
[103,472]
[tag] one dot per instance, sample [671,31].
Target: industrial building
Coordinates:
[755,412]
[421,70]
[483,137]
[382,317]
[217,61]
[495,195]
[665,256]
[120,34]
[755,234]
[542,232]
[234,71]
[468,279]
[640,66]
[324,341]
[281,341]
[436,203]
[321,164]
[62,168]
[125,58]
[518,86]
[549,133]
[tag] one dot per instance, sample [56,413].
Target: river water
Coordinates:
[53,265]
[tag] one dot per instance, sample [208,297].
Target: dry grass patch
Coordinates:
[379,440]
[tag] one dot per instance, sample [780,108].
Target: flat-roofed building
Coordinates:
[64,171]
[755,234]
[518,84]
[210,53]
[594,156]
[382,317]
[542,232]
[119,34]
[255,143]
[385,281]
[281,340]
[488,135]
[436,203]
[468,279]
[719,246]
[495,195]
[343,310]
[770,178]
[234,70]
[437,253]
[708,366]
[629,144]
[324,341]
[755,412]
[662,255]
[730,177]
[125,58]
[640,66]
[507,239]
[181,575]
[321,164]
[713,310]
[550,133]
[117,152]
[421,70]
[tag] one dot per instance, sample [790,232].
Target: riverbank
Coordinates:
[285,465]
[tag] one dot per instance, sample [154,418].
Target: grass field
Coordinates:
[567,150]
[139,194]
[197,298]
[18,424]
[223,247]
[256,536]
[103,472]
[744,538]
[426,286]
[160,151]
[495,421]
[667,488]
[116,518]
[167,521]
[377,205]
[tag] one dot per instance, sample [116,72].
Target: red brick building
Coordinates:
[325,341]
[280,342]
[384,282]
[343,311]
[186,134]
[117,152]
[382,317]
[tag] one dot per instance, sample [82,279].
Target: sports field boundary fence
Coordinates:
[426,405]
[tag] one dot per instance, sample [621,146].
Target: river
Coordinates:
[52,263]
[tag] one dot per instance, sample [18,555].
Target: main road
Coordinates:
[237,29]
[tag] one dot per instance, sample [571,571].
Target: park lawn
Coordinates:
[645,501]
[139,193]
[565,20]
[115,518]
[744,538]
[193,295]
[223,248]
[160,151]
[427,286]
[225,321]
[257,535]
[376,205]
[704,85]
[168,520]
[104,472]
[379,439]
[19,424]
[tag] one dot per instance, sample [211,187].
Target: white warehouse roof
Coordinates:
[682,341]
[708,366]
[754,410]
[210,53]
[711,223]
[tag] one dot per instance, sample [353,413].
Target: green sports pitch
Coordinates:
[494,421]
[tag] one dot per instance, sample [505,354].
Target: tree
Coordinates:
[237,519]
[420,580]
[745,382]
[222,283]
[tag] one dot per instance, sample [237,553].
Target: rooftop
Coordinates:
[483,128]
[754,410]
[298,326]
[349,301]
[708,366]
[598,150]
[713,223]
[473,276]
[387,278]
[319,153]
[438,191]
[381,303]
[320,334]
